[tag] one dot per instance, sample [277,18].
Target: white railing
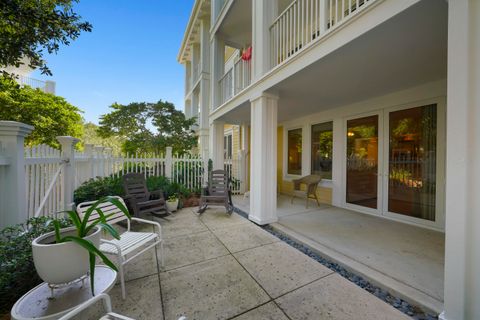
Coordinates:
[306,21]
[43,180]
[45,86]
[226,86]
[235,79]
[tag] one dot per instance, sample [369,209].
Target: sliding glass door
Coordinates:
[392,164]
[412,159]
[362,162]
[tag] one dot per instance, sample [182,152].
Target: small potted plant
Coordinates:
[68,254]
[172,203]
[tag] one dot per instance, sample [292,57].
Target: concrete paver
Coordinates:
[244,236]
[204,280]
[280,268]
[193,248]
[334,297]
[214,289]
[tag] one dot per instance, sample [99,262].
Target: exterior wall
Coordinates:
[285,186]
[334,191]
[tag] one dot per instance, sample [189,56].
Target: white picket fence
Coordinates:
[46,180]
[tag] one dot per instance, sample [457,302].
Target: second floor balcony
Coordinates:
[45,86]
[235,79]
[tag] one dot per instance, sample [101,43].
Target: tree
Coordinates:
[51,115]
[28,27]
[149,127]
[91,136]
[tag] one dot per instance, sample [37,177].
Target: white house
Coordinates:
[380,97]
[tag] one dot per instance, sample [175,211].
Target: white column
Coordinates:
[217,65]
[195,62]
[216,144]
[188,77]
[263,15]
[205,45]
[263,163]
[68,174]
[188,109]
[194,107]
[13,208]
[462,239]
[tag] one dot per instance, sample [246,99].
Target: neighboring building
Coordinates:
[359,91]
[23,78]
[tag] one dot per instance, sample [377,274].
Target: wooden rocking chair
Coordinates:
[217,192]
[139,199]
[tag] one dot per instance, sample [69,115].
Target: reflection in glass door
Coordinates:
[412,162]
[362,162]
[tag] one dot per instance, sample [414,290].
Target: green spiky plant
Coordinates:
[84,226]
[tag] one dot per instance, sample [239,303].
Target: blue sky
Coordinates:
[130,56]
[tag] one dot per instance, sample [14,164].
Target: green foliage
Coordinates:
[85,225]
[51,115]
[91,136]
[29,28]
[17,271]
[149,127]
[94,189]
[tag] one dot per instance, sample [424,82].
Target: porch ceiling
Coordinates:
[236,28]
[408,50]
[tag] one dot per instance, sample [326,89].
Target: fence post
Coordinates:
[168,163]
[89,170]
[68,154]
[108,161]
[100,167]
[13,208]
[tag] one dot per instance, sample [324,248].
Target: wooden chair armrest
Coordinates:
[157,193]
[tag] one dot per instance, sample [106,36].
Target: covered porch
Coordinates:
[406,260]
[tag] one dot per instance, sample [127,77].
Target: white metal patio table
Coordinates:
[38,303]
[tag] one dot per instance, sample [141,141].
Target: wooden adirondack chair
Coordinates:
[217,192]
[139,199]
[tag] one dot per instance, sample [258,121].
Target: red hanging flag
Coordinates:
[247,54]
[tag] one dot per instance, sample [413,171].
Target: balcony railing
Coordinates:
[235,80]
[45,86]
[306,21]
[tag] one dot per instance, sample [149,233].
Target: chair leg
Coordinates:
[291,201]
[316,198]
[306,203]
[162,259]
[122,277]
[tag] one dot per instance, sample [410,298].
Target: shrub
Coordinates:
[17,271]
[95,189]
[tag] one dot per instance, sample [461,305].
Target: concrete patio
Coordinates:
[406,260]
[224,267]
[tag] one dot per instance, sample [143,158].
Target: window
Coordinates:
[322,143]
[294,151]
[227,146]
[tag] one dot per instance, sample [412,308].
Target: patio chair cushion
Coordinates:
[129,241]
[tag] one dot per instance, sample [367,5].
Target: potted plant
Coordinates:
[172,203]
[65,255]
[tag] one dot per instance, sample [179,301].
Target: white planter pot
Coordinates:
[59,263]
[172,205]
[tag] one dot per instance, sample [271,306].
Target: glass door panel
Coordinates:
[412,162]
[362,162]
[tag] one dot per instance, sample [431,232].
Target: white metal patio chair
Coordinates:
[107,304]
[130,242]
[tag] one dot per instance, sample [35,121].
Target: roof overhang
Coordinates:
[201,8]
